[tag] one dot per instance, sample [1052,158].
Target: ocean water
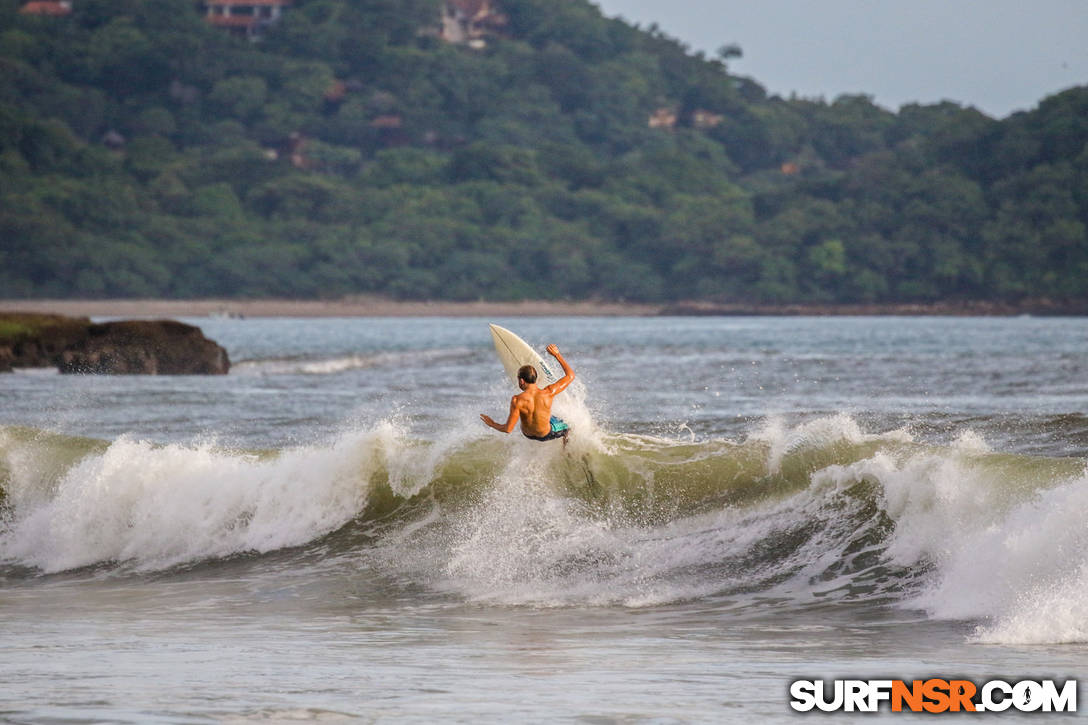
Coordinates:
[330,533]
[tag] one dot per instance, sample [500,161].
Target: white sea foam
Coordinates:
[528,541]
[343,363]
[782,439]
[1007,538]
[525,544]
[997,539]
[326,366]
[1023,573]
[155,506]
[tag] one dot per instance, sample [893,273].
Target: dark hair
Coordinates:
[527,373]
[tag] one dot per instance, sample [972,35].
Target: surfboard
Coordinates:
[514,352]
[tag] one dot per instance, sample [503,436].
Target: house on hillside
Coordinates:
[705,119]
[662,118]
[468,22]
[666,117]
[47,7]
[246,18]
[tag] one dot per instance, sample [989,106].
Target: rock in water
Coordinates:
[30,340]
[144,347]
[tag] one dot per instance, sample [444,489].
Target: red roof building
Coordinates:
[468,21]
[47,7]
[249,18]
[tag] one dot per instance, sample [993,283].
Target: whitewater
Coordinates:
[329,533]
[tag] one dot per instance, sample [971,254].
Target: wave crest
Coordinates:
[815,513]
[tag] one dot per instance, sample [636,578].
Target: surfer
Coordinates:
[533,405]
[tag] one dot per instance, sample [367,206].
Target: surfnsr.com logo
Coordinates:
[933,695]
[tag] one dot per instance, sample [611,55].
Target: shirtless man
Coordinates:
[533,405]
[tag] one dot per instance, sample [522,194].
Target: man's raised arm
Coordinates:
[568,374]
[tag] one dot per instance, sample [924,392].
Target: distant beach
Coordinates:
[380,307]
[347,307]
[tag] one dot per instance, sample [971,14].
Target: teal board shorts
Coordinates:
[560,429]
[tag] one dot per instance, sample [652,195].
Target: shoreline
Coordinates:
[378,307]
[346,307]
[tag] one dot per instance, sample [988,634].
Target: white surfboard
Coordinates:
[514,352]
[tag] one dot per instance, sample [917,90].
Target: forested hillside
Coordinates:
[354,149]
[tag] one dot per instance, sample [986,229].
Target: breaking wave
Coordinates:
[792,515]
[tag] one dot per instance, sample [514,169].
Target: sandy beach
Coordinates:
[347,307]
[379,307]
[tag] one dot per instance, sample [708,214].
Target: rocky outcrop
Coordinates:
[131,347]
[29,340]
[138,347]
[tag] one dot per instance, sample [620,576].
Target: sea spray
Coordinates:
[1051,610]
[832,514]
[1020,569]
[638,530]
[1003,536]
[158,506]
[822,435]
[802,515]
[510,539]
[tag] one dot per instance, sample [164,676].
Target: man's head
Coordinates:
[526,375]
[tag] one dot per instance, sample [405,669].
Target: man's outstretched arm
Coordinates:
[568,373]
[511,422]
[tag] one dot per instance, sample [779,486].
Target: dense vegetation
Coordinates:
[145,153]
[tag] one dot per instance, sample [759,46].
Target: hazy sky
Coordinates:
[997,55]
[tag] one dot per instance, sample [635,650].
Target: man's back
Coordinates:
[533,405]
[535,409]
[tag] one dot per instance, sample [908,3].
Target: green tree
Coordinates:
[240,97]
